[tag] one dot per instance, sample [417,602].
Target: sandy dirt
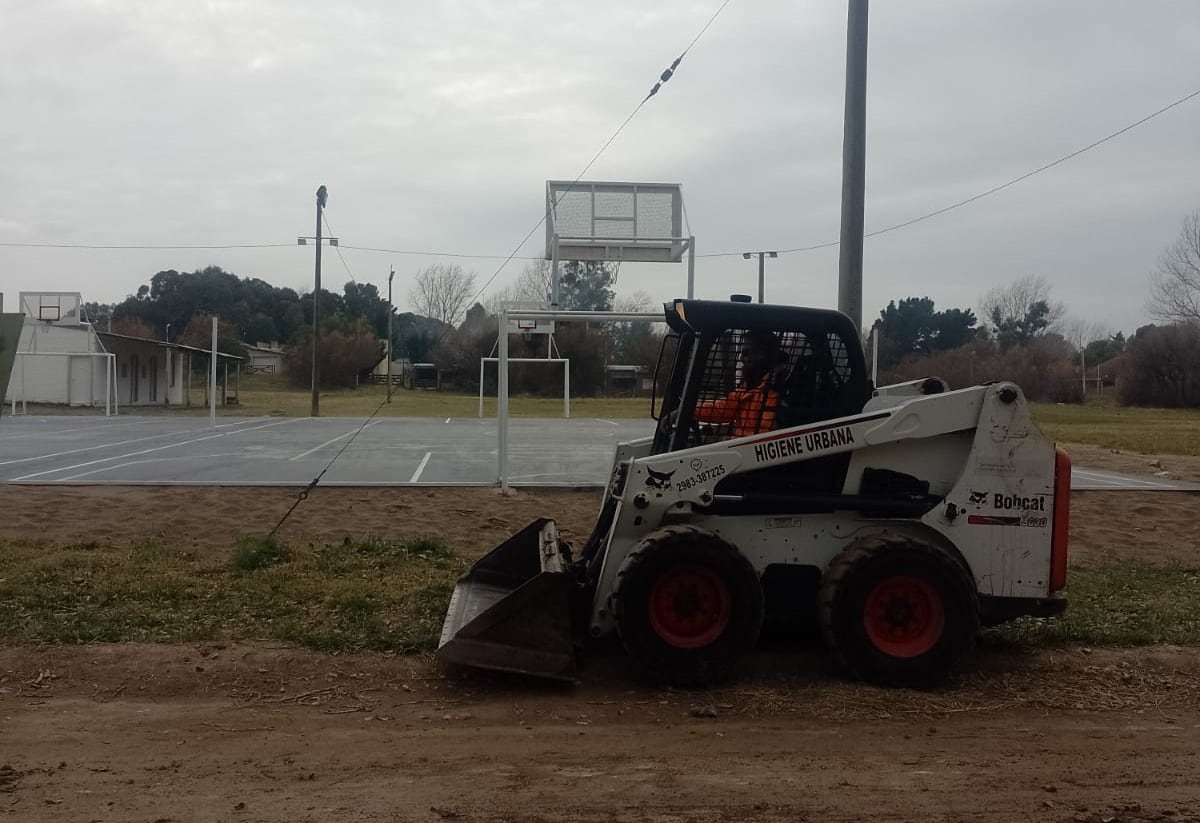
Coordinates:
[261,732]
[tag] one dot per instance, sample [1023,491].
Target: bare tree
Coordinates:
[531,286]
[1022,310]
[1175,285]
[1079,332]
[442,292]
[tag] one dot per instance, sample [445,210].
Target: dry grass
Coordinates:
[1127,429]
[265,395]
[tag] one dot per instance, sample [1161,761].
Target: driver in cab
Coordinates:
[750,408]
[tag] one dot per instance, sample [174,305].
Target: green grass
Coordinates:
[373,594]
[1146,431]
[267,395]
[391,595]
[1120,604]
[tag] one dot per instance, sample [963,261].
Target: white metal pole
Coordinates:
[481,364]
[116,386]
[502,403]
[875,354]
[212,377]
[691,267]
[1082,370]
[567,388]
[107,388]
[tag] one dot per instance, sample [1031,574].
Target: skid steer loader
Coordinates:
[903,518]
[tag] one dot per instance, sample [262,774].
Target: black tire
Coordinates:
[898,611]
[688,605]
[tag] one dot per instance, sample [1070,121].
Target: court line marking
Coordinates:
[147,438]
[417,474]
[147,451]
[330,442]
[1103,477]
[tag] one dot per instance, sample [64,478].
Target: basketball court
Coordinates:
[291,451]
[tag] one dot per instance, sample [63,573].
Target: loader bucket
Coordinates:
[511,611]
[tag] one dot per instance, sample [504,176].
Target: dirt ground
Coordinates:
[261,732]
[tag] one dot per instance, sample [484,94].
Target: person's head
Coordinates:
[760,353]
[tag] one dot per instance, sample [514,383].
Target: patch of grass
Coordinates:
[254,552]
[368,594]
[1146,431]
[1120,604]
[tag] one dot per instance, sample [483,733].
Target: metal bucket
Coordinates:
[511,611]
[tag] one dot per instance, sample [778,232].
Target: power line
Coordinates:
[144,246]
[338,248]
[663,78]
[994,189]
[513,255]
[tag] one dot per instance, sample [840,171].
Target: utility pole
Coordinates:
[391,274]
[854,164]
[322,195]
[746,255]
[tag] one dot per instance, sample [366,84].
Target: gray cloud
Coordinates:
[435,126]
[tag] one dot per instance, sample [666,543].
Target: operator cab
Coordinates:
[736,369]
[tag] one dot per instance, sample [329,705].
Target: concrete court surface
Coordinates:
[291,451]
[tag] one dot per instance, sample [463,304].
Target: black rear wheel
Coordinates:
[688,605]
[898,611]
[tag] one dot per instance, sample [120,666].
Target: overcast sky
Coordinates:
[435,125]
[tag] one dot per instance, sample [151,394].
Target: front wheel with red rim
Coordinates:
[898,611]
[687,604]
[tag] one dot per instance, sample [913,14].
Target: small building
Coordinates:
[627,380]
[266,359]
[62,359]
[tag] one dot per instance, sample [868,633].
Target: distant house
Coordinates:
[266,359]
[62,359]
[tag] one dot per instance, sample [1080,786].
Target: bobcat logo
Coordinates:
[978,498]
[658,480]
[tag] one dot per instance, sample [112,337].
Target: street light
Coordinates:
[746,255]
[322,195]
[390,357]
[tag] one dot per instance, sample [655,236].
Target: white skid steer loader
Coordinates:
[779,484]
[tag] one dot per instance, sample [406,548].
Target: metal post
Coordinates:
[315,411]
[567,389]
[390,356]
[1083,370]
[554,272]
[691,267]
[481,364]
[854,163]
[212,376]
[502,402]
[762,265]
[875,355]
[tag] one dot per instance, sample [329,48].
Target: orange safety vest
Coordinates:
[749,410]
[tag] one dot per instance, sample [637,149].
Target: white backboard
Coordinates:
[528,326]
[635,222]
[59,307]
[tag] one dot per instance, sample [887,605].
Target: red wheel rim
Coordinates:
[689,606]
[904,616]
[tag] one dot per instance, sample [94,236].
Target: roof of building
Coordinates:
[165,345]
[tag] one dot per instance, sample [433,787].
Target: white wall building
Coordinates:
[61,359]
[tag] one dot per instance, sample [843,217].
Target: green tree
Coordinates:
[1100,351]
[913,326]
[1021,311]
[586,285]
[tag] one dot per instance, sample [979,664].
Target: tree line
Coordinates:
[1020,333]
